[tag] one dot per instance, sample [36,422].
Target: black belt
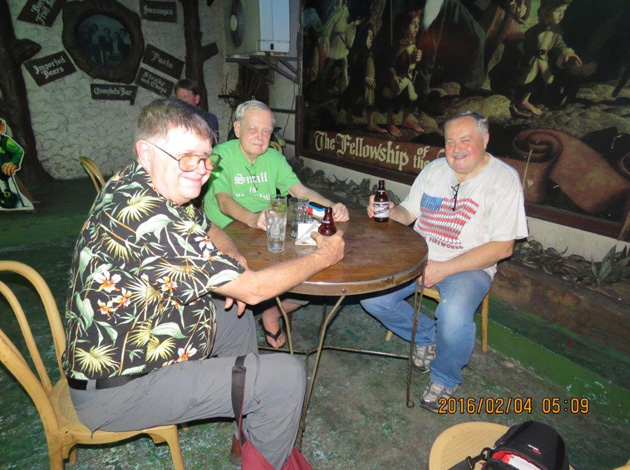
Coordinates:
[111,382]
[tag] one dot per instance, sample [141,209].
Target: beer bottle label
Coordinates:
[381,209]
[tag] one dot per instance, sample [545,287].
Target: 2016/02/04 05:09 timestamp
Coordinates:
[516,405]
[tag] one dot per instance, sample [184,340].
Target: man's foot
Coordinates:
[431,397]
[527,106]
[422,358]
[375,128]
[275,340]
[393,130]
[412,124]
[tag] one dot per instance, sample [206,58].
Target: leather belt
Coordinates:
[110,382]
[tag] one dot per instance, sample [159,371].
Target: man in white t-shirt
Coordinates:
[469,208]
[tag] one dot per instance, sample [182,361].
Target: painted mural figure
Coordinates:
[337,39]
[503,23]
[450,22]
[398,89]
[11,156]
[359,94]
[544,49]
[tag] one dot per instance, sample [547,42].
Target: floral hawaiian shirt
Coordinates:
[140,282]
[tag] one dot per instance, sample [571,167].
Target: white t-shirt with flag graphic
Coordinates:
[457,217]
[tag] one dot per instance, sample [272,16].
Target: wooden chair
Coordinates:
[61,424]
[461,441]
[465,440]
[93,172]
[485,307]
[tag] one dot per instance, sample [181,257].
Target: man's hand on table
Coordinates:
[257,220]
[340,213]
[331,247]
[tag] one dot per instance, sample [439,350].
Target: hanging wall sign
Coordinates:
[114,92]
[165,12]
[155,83]
[41,12]
[163,61]
[50,68]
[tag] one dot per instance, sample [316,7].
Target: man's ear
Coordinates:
[197,99]
[237,128]
[486,139]
[144,151]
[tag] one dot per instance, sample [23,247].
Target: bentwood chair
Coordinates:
[93,172]
[61,424]
[485,307]
[465,440]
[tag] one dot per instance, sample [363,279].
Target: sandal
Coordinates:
[273,336]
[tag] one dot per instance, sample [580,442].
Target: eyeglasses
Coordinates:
[455,190]
[191,162]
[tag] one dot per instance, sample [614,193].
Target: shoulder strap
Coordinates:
[238,393]
[469,462]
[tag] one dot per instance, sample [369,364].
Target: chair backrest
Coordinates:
[38,387]
[93,172]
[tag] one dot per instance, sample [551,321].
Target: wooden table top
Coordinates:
[377,256]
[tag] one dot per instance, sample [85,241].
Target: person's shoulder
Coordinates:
[226,147]
[438,165]
[501,171]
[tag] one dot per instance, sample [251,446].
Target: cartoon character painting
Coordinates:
[11,155]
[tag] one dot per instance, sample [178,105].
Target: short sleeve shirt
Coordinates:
[252,185]
[487,207]
[139,295]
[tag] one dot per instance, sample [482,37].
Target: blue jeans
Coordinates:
[453,330]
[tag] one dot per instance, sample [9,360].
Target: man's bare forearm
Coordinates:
[233,209]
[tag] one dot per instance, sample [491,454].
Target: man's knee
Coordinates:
[285,373]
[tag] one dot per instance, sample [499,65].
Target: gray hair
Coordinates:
[161,116]
[480,119]
[251,105]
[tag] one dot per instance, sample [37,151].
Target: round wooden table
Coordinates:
[378,256]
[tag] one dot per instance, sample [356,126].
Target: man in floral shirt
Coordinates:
[147,343]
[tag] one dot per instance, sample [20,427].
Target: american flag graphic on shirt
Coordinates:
[439,223]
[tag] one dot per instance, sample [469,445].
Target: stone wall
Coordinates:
[69,124]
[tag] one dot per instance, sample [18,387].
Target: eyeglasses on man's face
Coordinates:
[190,162]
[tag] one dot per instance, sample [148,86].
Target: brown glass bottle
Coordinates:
[328,225]
[381,203]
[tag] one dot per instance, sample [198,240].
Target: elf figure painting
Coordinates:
[11,155]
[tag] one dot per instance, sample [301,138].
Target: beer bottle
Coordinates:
[381,203]
[328,225]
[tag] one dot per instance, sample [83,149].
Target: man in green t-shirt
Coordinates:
[247,179]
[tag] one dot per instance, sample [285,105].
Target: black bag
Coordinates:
[527,446]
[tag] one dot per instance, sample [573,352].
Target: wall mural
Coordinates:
[11,156]
[380,77]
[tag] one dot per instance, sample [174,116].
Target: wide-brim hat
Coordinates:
[464,440]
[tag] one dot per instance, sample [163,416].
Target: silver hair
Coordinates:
[480,119]
[251,105]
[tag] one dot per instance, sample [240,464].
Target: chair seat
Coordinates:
[69,421]
[461,441]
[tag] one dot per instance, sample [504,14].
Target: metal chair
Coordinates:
[93,172]
[485,307]
[61,424]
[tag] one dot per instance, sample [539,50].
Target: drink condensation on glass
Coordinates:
[276,220]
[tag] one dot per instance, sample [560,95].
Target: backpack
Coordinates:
[527,446]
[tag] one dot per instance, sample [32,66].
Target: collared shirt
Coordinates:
[139,295]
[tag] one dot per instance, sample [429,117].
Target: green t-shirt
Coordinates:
[251,185]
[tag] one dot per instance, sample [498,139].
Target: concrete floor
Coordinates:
[358,418]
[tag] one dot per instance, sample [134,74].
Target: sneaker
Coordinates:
[431,397]
[422,358]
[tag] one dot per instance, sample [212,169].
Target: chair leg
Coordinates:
[55,458]
[485,307]
[388,336]
[176,450]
